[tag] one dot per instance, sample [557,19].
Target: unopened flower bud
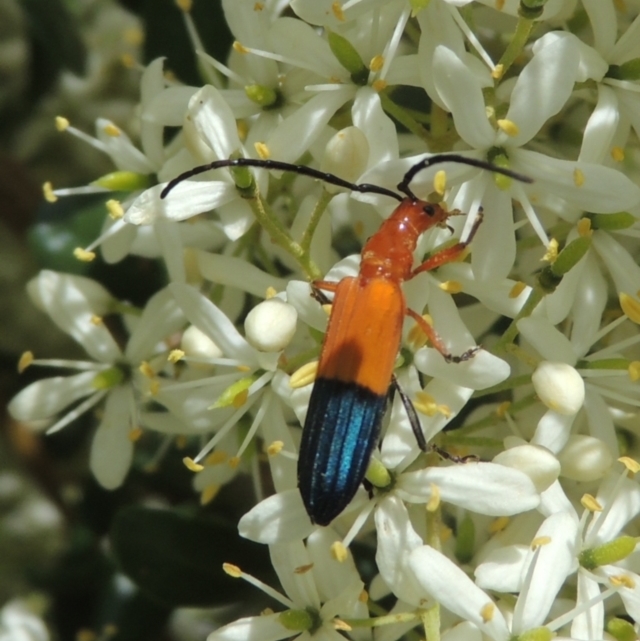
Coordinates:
[196,343]
[270,325]
[559,387]
[537,462]
[346,155]
[585,458]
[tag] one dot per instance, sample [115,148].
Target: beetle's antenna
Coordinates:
[364,188]
[436,159]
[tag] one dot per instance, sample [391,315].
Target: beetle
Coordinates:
[358,354]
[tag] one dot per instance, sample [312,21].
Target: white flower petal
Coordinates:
[626,506]
[556,560]
[592,619]
[300,587]
[266,627]
[623,268]
[370,118]
[455,591]
[111,448]
[461,91]
[485,488]
[559,386]
[553,431]
[546,339]
[73,302]
[168,108]
[602,16]
[601,127]
[45,398]
[122,151]
[542,89]
[542,467]
[396,540]
[585,458]
[185,200]
[502,569]
[277,519]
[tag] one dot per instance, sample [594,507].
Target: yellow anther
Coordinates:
[623,581]
[133,36]
[451,286]
[262,150]
[517,289]
[243,368]
[146,370]
[270,293]
[440,182]
[216,458]
[632,465]
[135,434]
[379,85]
[175,355]
[25,360]
[242,129]
[630,306]
[336,9]
[304,376]
[47,192]
[275,448]
[487,611]
[376,63]
[499,4]
[590,503]
[445,533]
[127,61]
[425,404]
[552,252]
[303,569]
[339,624]
[634,371]
[539,541]
[509,127]
[184,5]
[96,320]
[499,524]
[239,47]
[363,597]
[234,461]
[617,153]
[191,465]
[112,130]
[154,387]
[497,72]
[86,635]
[434,500]
[232,570]
[578,177]
[84,255]
[339,552]
[209,493]
[326,308]
[503,409]
[258,6]
[584,227]
[115,209]
[61,123]
[181,442]
[416,336]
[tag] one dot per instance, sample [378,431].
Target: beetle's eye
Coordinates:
[429,210]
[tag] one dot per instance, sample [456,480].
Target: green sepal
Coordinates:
[465,539]
[629,70]
[228,397]
[607,553]
[612,222]
[621,630]
[123,181]
[296,620]
[349,58]
[418,5]
[571,255]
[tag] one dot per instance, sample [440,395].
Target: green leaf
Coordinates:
[177,557]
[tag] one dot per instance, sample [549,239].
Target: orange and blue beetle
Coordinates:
[360,347]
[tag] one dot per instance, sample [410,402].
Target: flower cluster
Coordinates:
[521,521]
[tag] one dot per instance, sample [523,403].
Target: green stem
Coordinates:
[517,44]
[400,114]
[490,421]
[431,616]
[316,215]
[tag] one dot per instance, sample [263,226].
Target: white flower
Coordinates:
[318,587]
[77,305]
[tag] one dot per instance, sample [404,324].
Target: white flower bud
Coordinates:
[585,458]
[346,155]
[196,343]
[538,463]
[559,387]
[270,325]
